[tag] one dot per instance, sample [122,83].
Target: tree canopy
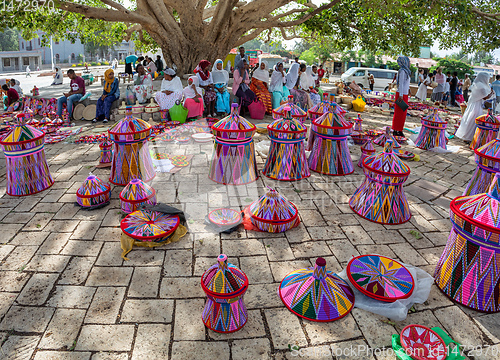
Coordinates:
[451,65]
[8,40]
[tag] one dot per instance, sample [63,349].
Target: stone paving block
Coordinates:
[345,219]
[147,311]
[312,218]
[147,257]
[18,258]
[92,216]
[421,317]
[145,282]
[189,350]
[9,231]
[423,225]
[46,207]
[408,255]
[384,237]
[82,248]
[62,355]
[357,235]
[6,300]
[110,255]
[109,276]
[67,212]
[459,326]
[178,263]
[432,255]
[253,328]
[18,218]
[260,296]
[343,250]
[113,218]
[257,269]
[29,238]
[285,328]
[38,222]
[360,350]
[48,263]
[105,338]
[19,347]
[435,300]
[326,233]
[111,234]
[26,204]
[339,330]
[109,356]
[278,249]
[63,329]
[77,271]
[86,230]
[283,268]
[73,297]
[54,243]
[62,226]
[376,249]
[27,319]
[188,324]
[298,234]
[251,349]
[416,238]
[311,249]
[243,247]
[105,305]
[152,342]
[489,325]
[37,289]
[13,281]
[181,288]
[375,331]
[5,250]
[438,238]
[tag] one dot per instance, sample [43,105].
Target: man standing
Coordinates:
[453,88]
[495,85]
[77,91]
[159,63]
[321,73]
[466,86]
[241,56]
[371,81]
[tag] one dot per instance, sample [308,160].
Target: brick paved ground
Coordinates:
[65,292]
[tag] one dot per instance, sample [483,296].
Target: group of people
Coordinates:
[133,61]
[13,93]
[447,89]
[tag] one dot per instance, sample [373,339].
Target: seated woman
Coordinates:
[110,93]
[260,79]
[221,78]
[300,97]
[171,90]
[193,100]
[307,84]
[240,85]
[58,77]
[206,83]
[11,98]
[277,87]
[143,84]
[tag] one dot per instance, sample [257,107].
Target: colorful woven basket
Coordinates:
[330,152]
[106,153]
[468,270]
[131,157]
[387,135]
[233,159]
[432,133]
[135,194]
[287,157]
[316,294]
[380,277]
[422,343]
[224,284]
[149,225]
[487,126]
[27,170]
[295,110]
[93,193]
[224,217]
[319,109]
[488,164]
[367,149]
[380,198]
[273,213]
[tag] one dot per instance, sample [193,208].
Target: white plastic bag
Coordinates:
[398,310]
[263,148]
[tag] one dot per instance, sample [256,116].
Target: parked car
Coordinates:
[383,77]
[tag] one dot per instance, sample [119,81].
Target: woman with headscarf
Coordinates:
[193,100]
[207,84]
[277,87]
[143,84]
[240,85]
[170,91]
[110,93]
[221,78]
[58,77]
[307,84]
[440,79]
[479,91]
[422,88]
[293,84]
[259,86]
[403,82]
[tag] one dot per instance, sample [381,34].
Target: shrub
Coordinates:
[106,63]
[74,65]
[121,62]
[93,63]
[80,64]
[98,64]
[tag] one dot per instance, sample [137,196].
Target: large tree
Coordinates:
[190,30]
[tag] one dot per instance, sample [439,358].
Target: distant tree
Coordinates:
[485,57]
[253,44]
[394,66]
[302,46]
[309,56]
[9,40]
[283,53]
[460,56]
[452,65]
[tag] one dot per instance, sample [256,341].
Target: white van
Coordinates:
[383,77]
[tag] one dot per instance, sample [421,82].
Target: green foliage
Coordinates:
[79,64]
[74,65]
[283,53]
[8,40]
[93,63]
[452,65]
[121,62]
[394,66]
[308,56]
[485,57]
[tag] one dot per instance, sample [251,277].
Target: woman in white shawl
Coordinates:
[259,86]
[422,88]
[171,90]
[143,84]
[193,97]
[58,77]
[220,78]
[277,87]
[307,84]
[293,76]
[479,91]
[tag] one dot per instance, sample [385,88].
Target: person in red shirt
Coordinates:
[12,96]
[76,93]
[321,73]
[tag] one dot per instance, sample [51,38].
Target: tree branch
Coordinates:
[102,13]
[484,15]
[132,29]
[248,37]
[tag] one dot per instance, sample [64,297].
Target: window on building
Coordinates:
[22,44]
[57,42]
[38,41]
[72,56]
[57,57]
[26,61]
[31,45]
[6,62]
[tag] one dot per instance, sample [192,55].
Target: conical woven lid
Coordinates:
[287,123]
[295,110]
[152,105]
[386,162]
[92,186]
[45,120]
[137,191]
[491,150]
[273,207]
[234,123]
[321,107]
[433,116]
[224,279]
[333,119]
[57,121]
[481,210]
[316,294]
[21,133]
[106,144]
[488,119]
[382,139]
[129,125]
[368,147]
